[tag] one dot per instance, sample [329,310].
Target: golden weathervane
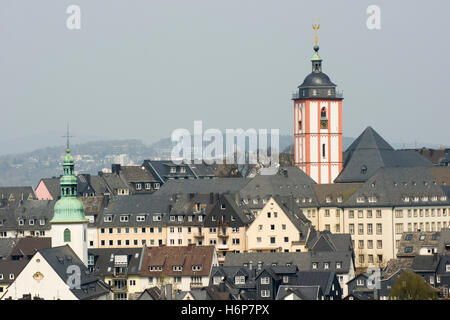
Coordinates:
[316,27]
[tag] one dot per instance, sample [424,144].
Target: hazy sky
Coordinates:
[140,69]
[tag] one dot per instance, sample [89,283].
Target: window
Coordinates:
[66,235]
[21,222]
[31,222]
[177,268]
[379,244]
[272,240]
[326,265]
[408,249]
[352,228]
[147,186]
[265,293]
[360,282]
[265,280]
[107,219]
[323,150]
[378,213]
[379,228]
[338,265]
[314,265]
[351,214]
[285,279]
[140,218]
[239,280]
[369,228]
[360,228]
[156,186]
[123,218]
[363,169]
[138,186]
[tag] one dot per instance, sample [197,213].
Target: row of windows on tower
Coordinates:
[68,191]
[323,119]
[315,93]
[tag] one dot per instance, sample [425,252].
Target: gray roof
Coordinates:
[161,170]
[53,187]
[324,279]
[371,151]
[114,182]
[17,193]
[27,210]
[303,260]
[390,185]
[301,292]
[425,263]
[6,247]
[197,294]
[444,241]
[60,258]
[288,182]
[203,186]
[104,261]
[8,267]
[147,205]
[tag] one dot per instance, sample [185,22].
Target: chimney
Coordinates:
[163,292]
[250,265]
[115,168]
[222,286]
[169,291]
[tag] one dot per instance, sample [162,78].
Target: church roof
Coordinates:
[369,152]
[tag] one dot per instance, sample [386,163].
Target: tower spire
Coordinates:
[67,136]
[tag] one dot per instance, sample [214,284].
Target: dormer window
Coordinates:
[140,218]
[363,169]
[123,218]
[138,186]
[360,199]
[239,280]
[31,222]
[197,267]
[177,268]
[156,186]
[372,199]
[172,218]
[328,199]
[173,170]
[223,206]
[107,219]
[182,170]
[314,265]
[21,222]
[147,186]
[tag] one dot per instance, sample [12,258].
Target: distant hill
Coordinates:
[90,157]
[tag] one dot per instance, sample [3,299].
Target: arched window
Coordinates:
[363,169]
[67,235]
[323,112]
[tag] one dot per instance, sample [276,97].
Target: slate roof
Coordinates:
[324,279]
[444,242]
[161,170]
[203,186]
[147,205]
[104,261]
[136,174]
[414,241]
[154,293]
[27,210]
[6,247]
[425,263]
[302,292]
[60,258]
[197,294]
[53,187]
[303,260]
[441,175]
[371,151]
[334,194]
[17,193]
[327,241]
[288,182]
[185,256]
[8,267]
[27,247]
[114,182]
[390,185]
[442,266]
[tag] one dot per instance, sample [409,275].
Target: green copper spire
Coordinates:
[68,209]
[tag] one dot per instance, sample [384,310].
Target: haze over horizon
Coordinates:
[139,70]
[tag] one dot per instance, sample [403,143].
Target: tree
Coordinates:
[411,286]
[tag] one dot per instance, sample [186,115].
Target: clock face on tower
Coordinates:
[323,124]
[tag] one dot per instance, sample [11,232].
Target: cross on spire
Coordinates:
[67,136]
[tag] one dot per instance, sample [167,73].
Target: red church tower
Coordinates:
[318,124]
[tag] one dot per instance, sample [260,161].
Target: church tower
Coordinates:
[69,224]
[318,124]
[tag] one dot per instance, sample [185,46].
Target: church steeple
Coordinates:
[316,59]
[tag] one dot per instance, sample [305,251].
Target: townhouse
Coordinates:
[183,267]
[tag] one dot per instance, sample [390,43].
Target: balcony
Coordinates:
[223,247]
[119,289]
[196,285]
[222,234]
[199,235]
